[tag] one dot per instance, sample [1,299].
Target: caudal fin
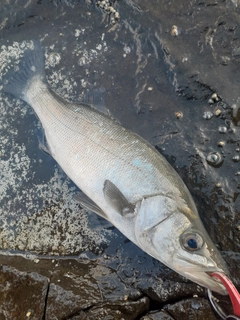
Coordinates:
[31,66]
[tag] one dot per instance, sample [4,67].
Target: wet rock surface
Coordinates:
[191,309]
[166,70]
[86,289]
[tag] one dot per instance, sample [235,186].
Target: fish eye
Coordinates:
[192,241]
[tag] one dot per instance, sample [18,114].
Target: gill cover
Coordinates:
[151,212]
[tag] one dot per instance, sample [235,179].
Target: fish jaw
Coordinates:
[203,278]
[201,273]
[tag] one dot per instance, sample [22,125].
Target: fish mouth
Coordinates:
[205,279]
[216,280]
[202,275]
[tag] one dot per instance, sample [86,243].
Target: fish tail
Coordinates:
[31,66]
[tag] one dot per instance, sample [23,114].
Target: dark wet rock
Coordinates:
[162,284]
[195,309]
[162,315]
[127,310]
[22,294]
[66,289]
[93,288]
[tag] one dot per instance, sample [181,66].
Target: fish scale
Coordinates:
[106,147]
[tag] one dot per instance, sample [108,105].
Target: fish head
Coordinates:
[173,233]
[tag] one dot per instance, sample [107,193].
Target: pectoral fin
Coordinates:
[116,199]
[88,204]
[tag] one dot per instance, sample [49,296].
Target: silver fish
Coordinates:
[122,177]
